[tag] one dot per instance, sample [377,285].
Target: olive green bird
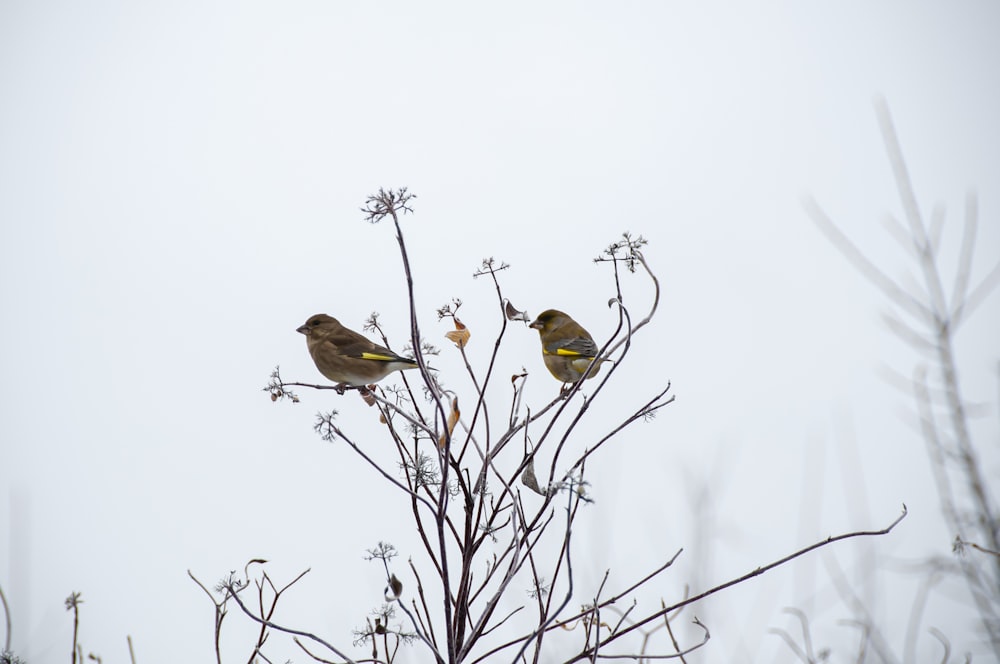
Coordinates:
[567,348]
[346,357]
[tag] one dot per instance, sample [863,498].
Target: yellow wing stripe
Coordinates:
[563,351]
[379,357]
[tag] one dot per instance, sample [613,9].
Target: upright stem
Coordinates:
[76,629]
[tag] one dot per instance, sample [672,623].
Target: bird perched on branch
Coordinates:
[346,357]
[567,348]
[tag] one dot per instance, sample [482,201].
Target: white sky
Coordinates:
[179,189]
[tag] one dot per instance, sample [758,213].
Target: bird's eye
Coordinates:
[314,322]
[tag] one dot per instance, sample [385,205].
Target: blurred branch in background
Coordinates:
[927,318]
[6,616]
[6,656]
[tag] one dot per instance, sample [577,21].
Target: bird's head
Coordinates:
[547,320]
[317,323]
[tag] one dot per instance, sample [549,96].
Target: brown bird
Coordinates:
[346,357]
[567,348]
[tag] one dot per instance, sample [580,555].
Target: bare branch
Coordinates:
[867,268]
[906,333]
[965,256]
[899,170]
[979,294]
[872,636]
[937,634]
[761,570]
[234,594]
[6,615]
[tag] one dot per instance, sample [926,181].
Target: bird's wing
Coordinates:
[352,344]
[576,347]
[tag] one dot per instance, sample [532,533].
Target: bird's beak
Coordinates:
[536,325]
[304,329]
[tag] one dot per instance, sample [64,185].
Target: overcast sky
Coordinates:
[180,185]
